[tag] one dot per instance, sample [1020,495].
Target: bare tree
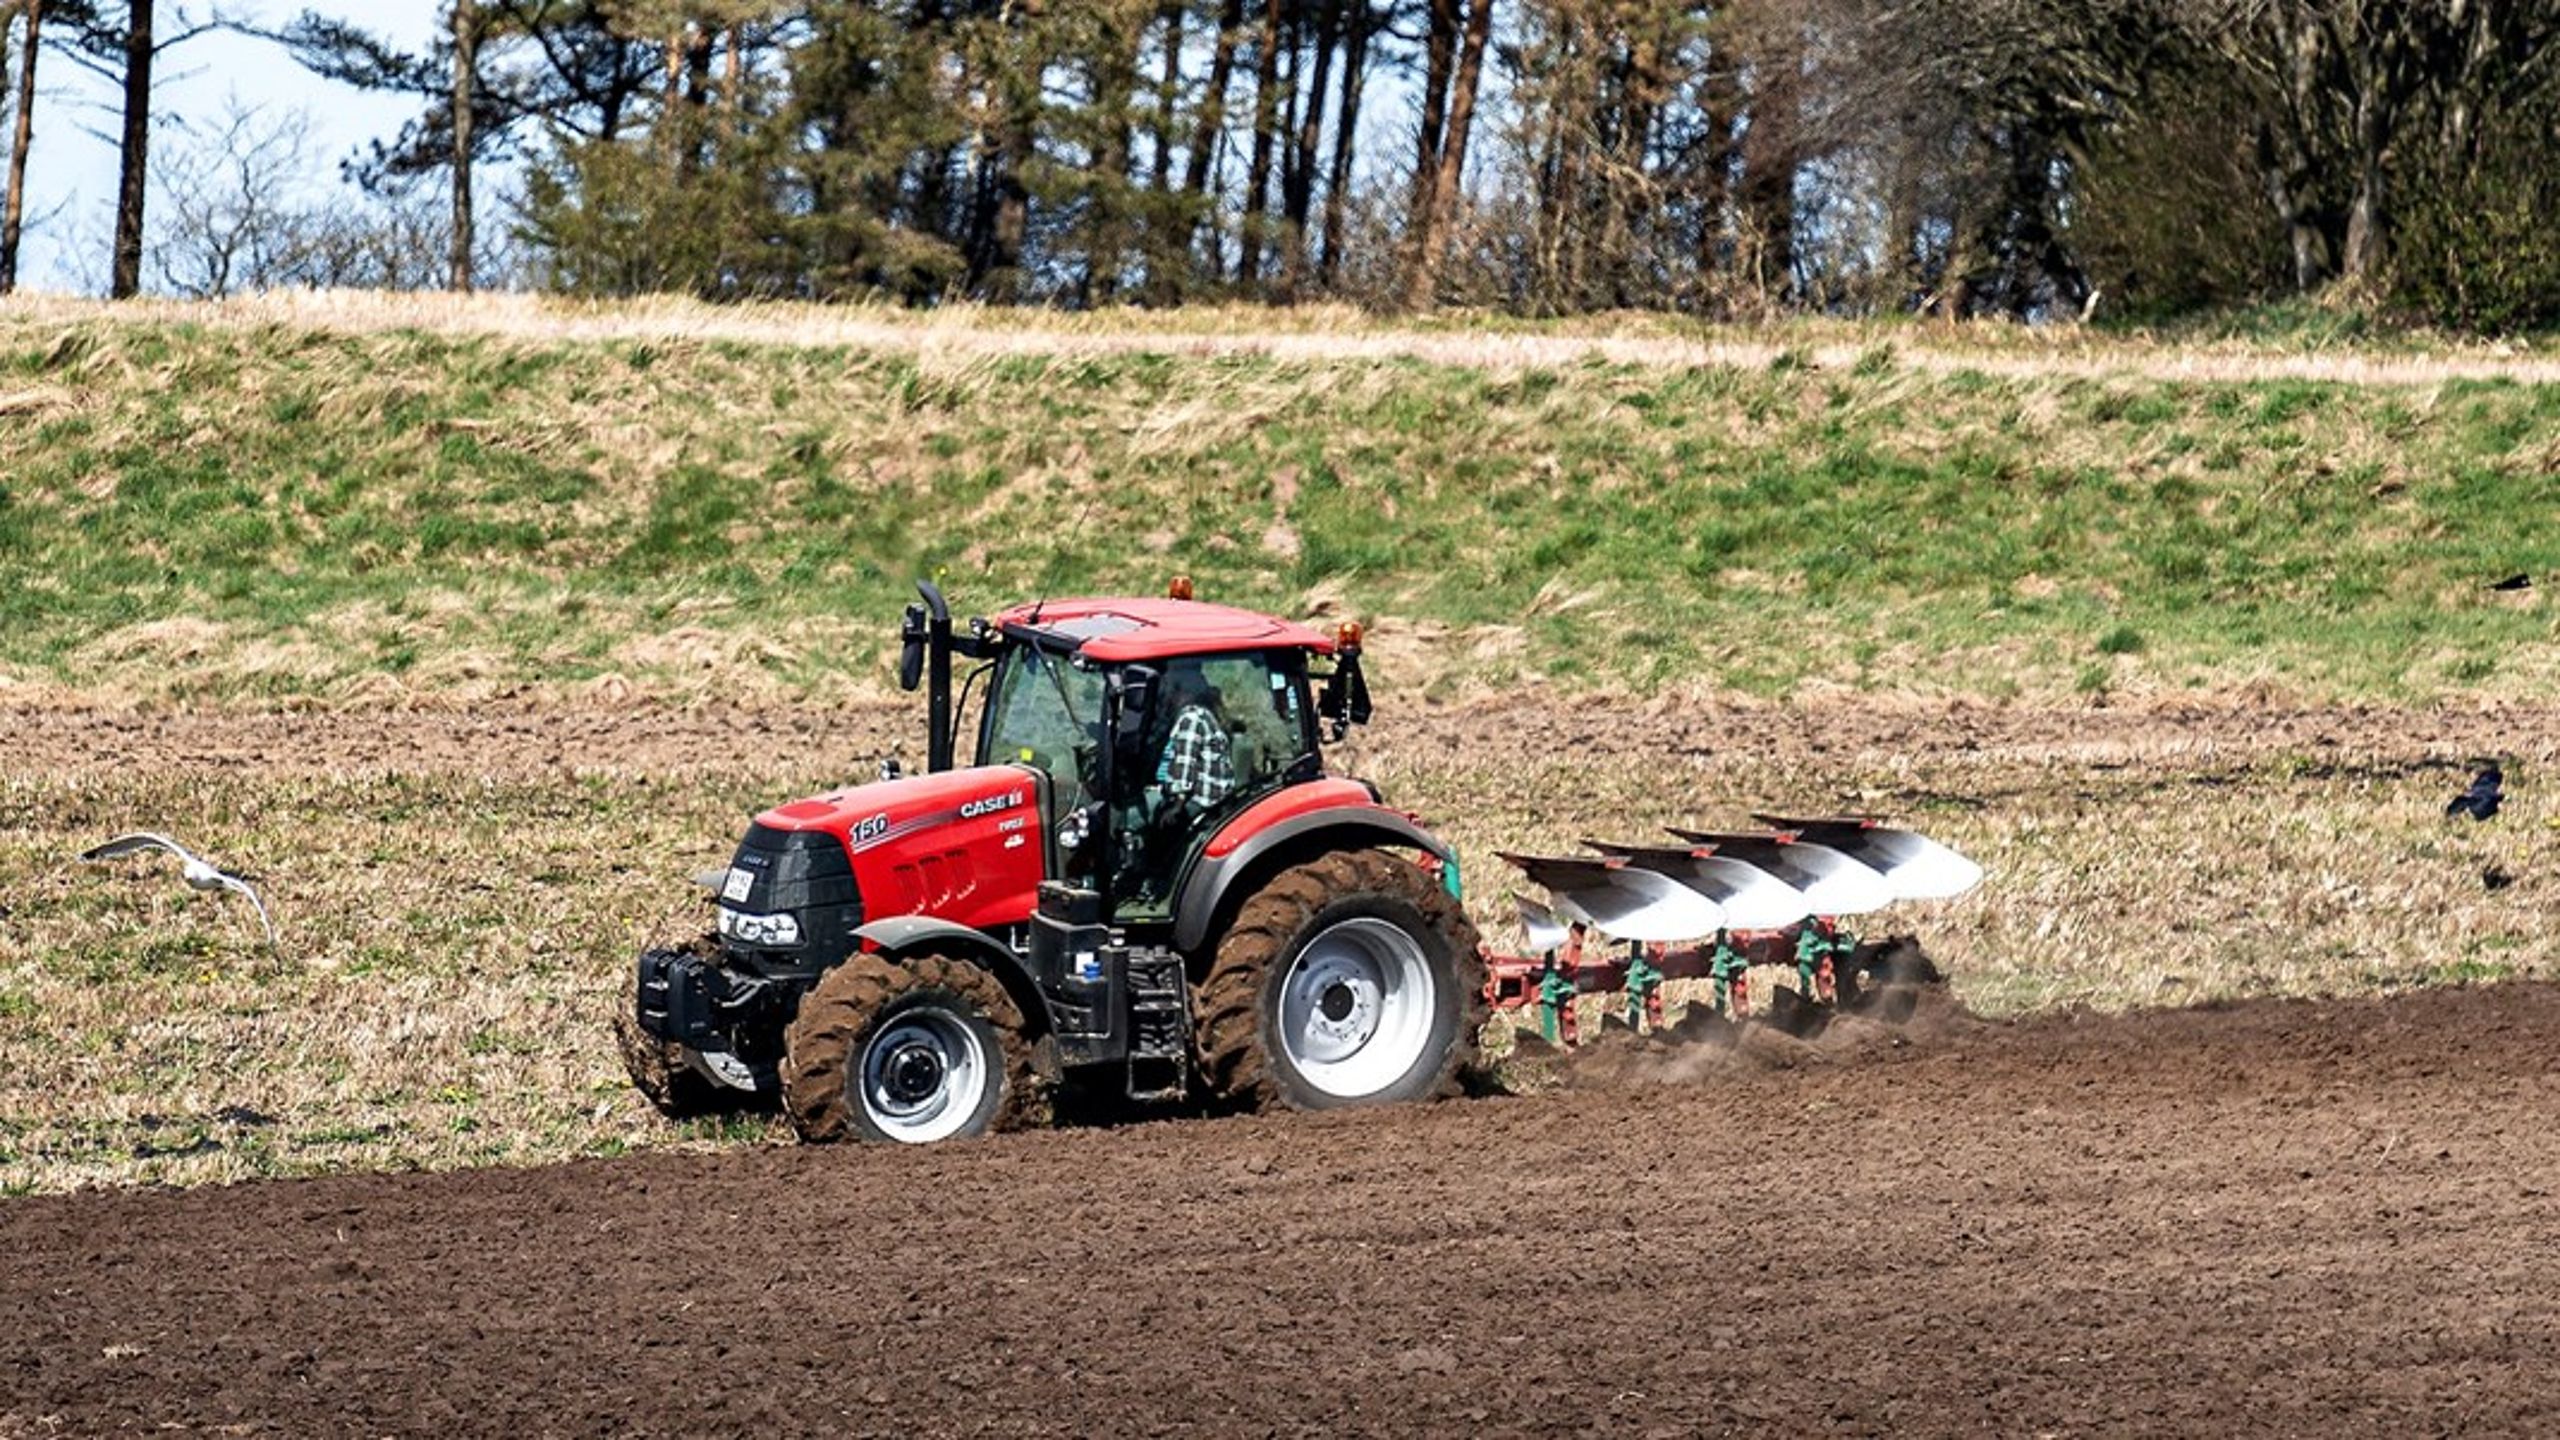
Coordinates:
[231,220]
[1202,164]
[237,214]
[1266,110]
[2348,91]
[124,53]
[466,52]
[22,135]
[134,155]
[1436,202]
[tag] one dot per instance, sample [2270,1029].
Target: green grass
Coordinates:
[255,514]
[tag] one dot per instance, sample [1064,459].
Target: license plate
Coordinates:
[741,880]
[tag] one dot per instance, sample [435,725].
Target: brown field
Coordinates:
[459,891]
[2280,1218]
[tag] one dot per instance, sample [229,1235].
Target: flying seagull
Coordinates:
[198,872]
[2482,799]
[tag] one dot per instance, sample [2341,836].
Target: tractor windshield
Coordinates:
[1046,713]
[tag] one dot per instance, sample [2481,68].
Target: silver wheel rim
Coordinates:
[1356,1008]
[923,1076]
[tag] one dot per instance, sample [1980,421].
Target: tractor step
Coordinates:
[1159,1025]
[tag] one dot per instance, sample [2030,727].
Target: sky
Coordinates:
[71,169]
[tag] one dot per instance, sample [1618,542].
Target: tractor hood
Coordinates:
[867,817]
[961,845]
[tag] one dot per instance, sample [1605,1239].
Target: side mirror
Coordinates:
[1344,701]
[911,651]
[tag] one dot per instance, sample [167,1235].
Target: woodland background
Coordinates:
[2132,159]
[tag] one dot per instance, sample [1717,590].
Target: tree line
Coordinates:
[1956,157]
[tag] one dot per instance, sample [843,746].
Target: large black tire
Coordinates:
[1368,897]
[657,1067]
[950,1013]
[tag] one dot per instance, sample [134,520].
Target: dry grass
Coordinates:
[459,902]
[960,333]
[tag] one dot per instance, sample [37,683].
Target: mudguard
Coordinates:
[1334,827]
[908,934]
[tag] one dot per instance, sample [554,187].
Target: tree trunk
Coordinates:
[1558,224]
[1298,189]
[733,73]
[1115,85]
[1346,137]
[23,135]
[697,67]
[1168,89]
[1717,103]
[1266,109]
[1768,198]
[1016,140]
[466,62]
[132,181]
[1424,289]
[2277,172]
[2360,260]
[1439,49]
[1213,120]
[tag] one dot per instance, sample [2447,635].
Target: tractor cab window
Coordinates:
[1046,713]
[1225,731]
[1241,707]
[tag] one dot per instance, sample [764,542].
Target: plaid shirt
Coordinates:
[1198,765]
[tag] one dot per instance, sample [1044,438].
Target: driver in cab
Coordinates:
[1198,767]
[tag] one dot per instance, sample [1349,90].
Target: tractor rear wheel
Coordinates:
[658,1069]
[1352,979]
[913,1051]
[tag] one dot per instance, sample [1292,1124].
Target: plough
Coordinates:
[1630,918]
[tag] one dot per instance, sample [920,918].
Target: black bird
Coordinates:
[2482,800]
[2518,581]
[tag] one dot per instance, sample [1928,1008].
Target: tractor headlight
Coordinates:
[760,929]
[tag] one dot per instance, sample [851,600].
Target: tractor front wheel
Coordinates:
[911,1051]
[1352,979]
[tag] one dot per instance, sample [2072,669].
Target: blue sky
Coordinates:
[71,171]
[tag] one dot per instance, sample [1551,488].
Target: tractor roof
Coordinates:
[1112,630]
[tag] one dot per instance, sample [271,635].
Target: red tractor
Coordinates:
[1144,883]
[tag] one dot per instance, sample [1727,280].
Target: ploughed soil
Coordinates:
[2289,1217]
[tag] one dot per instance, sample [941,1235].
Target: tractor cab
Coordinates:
[1154,722]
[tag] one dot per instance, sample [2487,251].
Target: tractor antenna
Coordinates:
[1049,576]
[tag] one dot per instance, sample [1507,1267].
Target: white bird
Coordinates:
[199,873]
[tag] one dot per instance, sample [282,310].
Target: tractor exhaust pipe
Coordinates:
[926,656]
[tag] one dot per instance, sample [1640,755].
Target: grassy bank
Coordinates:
[253,513]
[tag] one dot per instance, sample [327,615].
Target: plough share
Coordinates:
[1714,906]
